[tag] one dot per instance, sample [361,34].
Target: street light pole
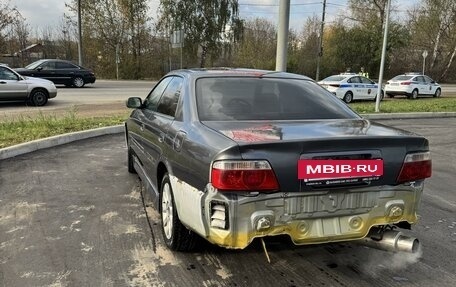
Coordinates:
[382,63]
[320,44]
[79,34]
[282,35]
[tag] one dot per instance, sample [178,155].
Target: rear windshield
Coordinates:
[334,79]
[402,78]
[234,98]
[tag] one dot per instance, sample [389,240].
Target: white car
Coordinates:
[350,86]
[412,85]
[34,91]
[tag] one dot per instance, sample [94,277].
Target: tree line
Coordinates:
[121,39]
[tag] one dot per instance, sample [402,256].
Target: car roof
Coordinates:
[235,72]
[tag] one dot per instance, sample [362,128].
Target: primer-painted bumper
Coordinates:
[309,218]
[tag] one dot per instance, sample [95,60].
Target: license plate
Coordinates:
[340,171]
[394,84]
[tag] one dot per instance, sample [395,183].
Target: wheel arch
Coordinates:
[39,89]
[161,171]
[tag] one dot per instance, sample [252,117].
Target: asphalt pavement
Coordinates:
[72,215]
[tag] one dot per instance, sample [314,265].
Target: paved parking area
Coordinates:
[73,216]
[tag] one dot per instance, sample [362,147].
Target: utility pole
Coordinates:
[79,34]
[320,44]
[382,63]
[282,36]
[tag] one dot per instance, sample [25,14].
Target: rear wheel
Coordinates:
[175,234]
[414,94]
[38,97]
[438,93]
[348,98]
[78,82]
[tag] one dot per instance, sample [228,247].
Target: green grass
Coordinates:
[28,128]
[407,106]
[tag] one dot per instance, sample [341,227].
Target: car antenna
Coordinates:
[265,250]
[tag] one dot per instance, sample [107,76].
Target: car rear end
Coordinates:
[261,193]
[336,84]
[400,85]
[256,189]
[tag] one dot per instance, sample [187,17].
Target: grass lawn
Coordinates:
[27,128]
[407,106]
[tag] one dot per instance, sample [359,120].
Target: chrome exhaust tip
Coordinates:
[395,241]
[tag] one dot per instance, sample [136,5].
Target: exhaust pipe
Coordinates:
[392,240]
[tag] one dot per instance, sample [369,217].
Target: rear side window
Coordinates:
[63,65]
[170,97]
[233,98]
[354,80]
[402,78]
[48,65]
[333,79]
[152,99]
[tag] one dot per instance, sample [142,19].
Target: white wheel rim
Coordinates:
[167,211]
[78,82]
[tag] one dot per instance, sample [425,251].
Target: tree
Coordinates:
[433,23]
[8,17]
[113,31]
[257,33]
[207,24]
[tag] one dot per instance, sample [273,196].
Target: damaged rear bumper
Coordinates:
[234,220]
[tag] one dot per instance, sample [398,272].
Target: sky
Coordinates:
[41,14]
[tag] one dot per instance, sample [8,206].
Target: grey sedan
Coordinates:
[34,91]
[231,155]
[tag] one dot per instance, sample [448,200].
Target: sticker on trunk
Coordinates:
[335,172]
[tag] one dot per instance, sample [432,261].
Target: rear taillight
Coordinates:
[387,83]
[416,166]
[406,83]
[250,175]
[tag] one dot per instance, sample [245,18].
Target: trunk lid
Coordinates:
[284,143]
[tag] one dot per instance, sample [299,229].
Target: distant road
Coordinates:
[449,90]
[102,98]
[107,97]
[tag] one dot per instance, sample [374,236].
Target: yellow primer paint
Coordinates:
[240,240]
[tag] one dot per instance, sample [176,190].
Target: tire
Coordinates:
[38,97]
[414,94]
[438,93]
[348,98]
[78,82]
[176,236]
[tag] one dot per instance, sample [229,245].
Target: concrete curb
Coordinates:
[35,145]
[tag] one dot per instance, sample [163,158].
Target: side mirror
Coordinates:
[39,69]
[134,103]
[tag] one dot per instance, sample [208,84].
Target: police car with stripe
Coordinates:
[351,86]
